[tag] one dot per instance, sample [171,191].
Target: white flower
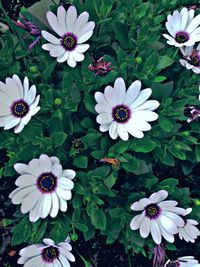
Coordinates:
[160,218]
[183,28]
[189,232]
[43,187]
[186,261]
[18,103]
[48,254]
[124,112]
[191,58]
[73,32]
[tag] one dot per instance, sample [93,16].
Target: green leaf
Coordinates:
[58,138]
[166,124]
[81,162]
[143,145]
[121,32]
[98,218]
[161,91]
[164,62]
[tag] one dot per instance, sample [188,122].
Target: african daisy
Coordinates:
[191,58]
[43,187]
[124,112]
[159,217]
[73,31]
[18,103]
[186,261]
[183,28]
[47,254]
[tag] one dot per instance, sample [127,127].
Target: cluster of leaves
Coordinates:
[128,34]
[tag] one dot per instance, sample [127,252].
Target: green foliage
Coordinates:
[129,34]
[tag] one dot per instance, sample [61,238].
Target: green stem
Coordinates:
[129,261]
[41,121]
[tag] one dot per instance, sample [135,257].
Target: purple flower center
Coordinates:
[50,253]
[69,41]
[47,182]
[173,264]
[121,113]
[152,211]
[19,108]
[195,60]
[182,37]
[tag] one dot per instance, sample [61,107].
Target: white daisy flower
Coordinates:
[43,187]
[186,261]
[159,217]
[189,232]
[18,103]
[48,254]
[183,28]
[73,32]
[191,58]
[124,112]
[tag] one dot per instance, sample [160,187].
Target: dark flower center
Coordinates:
[152,211]
[50,253]
[47,182]
[77,144]
[19,108]
[69,41]
[173,264]
[195,60]
[182,37]
[121,113]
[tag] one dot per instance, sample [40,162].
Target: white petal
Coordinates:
[54,206]
[21,168]
[57,169]
[137,206]
[50,38]
[122,132]
[155,232]
[113,130]
[159,196]
[194,24]
[12,123]
[45,163]
[64,194]
[62,204]
[145,115]
[67,254]
[104,118]
[61,15]
[5,120]
[136,221]
[45,206]
[145,227]
[168,224]
[168,203]
[110,96]
[169,237]
[12,89]
[30,251]
[100,98]
[101,108]
[57,51]
[19,84]
[104,127]
[19,194]
[4,110]
[65,183]
[70,174]
[120,89]
[53,22]
[63,57]
[130,126]
[184,17]
[34,167]
[175,218]
[78,57]
[29,202]
[83,38]
[31,95]
[71,62]
[48,242]
[81,20]
[142,97]
[142,125]
[64,261]
[88,27]
[24,121]
[35,102]
[148,105]
[25,180]
[81,48]
[34,214]
[71,18]
[132,92]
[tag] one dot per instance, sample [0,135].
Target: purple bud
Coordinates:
[192,113]
[100,67]
[159,256]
